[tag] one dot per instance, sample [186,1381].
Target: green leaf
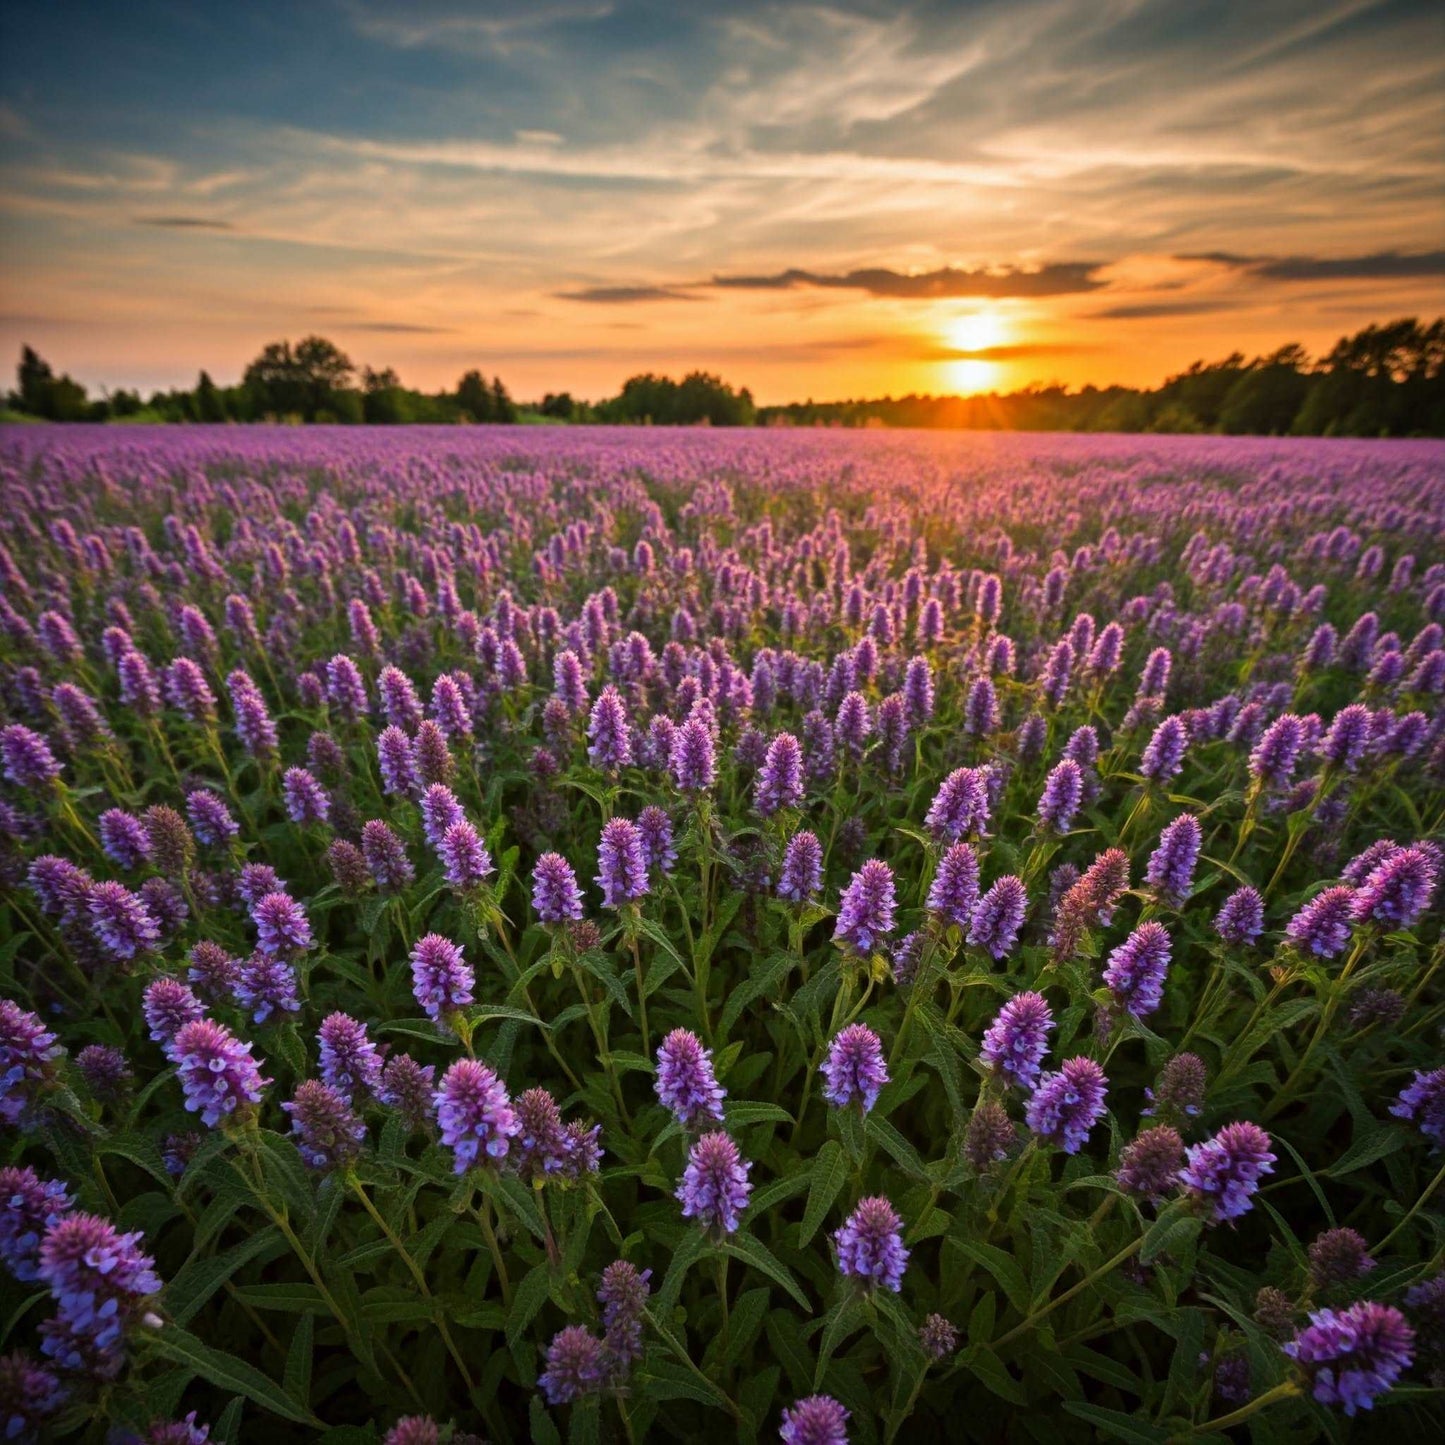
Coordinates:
[527,1300]
[829,1175]
[289,1298]
[297,1379]
[1116,1425]
[501,1011]
[234,1376]
[1009,1276]
[201,1278]
[904,1154]
[755,1253]
[1171,1232]
[990,1370]
[745,1112]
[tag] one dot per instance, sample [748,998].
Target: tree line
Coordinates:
[1386,380]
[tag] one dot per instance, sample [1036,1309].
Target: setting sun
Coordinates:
[978,332]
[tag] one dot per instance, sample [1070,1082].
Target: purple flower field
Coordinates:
[599,935]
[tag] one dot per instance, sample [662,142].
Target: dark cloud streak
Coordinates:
[624,295]
[1061,278]
[184,223]
[1378,266]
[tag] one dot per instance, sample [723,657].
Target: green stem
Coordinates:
[1327,1014]
[1236,1417]
[484,1218]
[1128,1252]
[1419,1204]
[678,1349]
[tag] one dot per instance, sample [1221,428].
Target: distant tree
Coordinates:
[1267,396]
[302,381]
[209,404]
[503,408]
[35,378]
[474,397]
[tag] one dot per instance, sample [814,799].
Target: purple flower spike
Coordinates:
[815,1420]
[1136,969]
[442,980]
[961,807]
[1063,792]
[998,916]
[715,1188]
[577,1366]
[475,1115]
[120,922]
[464,856]
[27,759]
[281,925]
[1171,865]
[1241,920]
[1423,1101]
[29,1205]
[609,739]
[167,1007]
[350,1063]
[686,1083]
[870,1245]
[865,913]
[266,986]
[29,1397]
[1398,891]
[1017,1040]
[1322,926]
[854,1068]
[780,780]
[1149,1167]
[953,894]
[1354,1355]
[621,862]
[1223,1173]
[328,1133]
[693,759]
[28,1052]
[220,1079]
[802,877]
[555,894]
[1065,1106]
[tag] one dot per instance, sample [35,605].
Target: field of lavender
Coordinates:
[597,936]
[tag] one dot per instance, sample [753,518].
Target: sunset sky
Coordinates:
[814,200]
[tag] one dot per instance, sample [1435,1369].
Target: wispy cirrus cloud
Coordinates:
[1378,266]
[625,295]
[185,223]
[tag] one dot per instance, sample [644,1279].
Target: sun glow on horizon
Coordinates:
[979,331]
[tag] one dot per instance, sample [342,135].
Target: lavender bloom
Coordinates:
[1354,1355]
[408,1087]
[348,867]
[254,725]
[430,755]
[1178,1092]
[179,1432]
[61,888]
[1423,1099]
[29,1397]
[394,759]
[1164,754]
[168,1006]
[1017,1040]
[1032,735]
[1063,791]
[1277,752]
[210,818]
[399,700]
[1322,926]
[853,724]
[953,894]
[980,708]
[266,985]
[686,1083]
[439,811]
[1223,1173]
[938,1337]
[1171,865]
[27,759]
[622,865]
[865,912]
[577,1366]
[474,1113]
[123,838]
[1066,1105]
[1348,739]
[1137,968]
[1338,1256]
[657,846]
[306,799]
[998,916]
[623,1296]
[1398,891]
[441,978]
[609,738]
[187,691]
[29,1205]
[815,1420]
[541,1144]
[464,856]
[99,1280]
[989,1136]
[802,875]
[1150,1165]
[870,1245]
[1241,920]
[693,757]
[328,1132]
[555,894]
[120,922]
[106,1073]
[281,925]
[780,780]
[960,807]
[386,857]
[350,1063]
[715,1188]
[854,1068]
[27,1061]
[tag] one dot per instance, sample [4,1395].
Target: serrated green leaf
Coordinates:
[227,1372]
[828,1176]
